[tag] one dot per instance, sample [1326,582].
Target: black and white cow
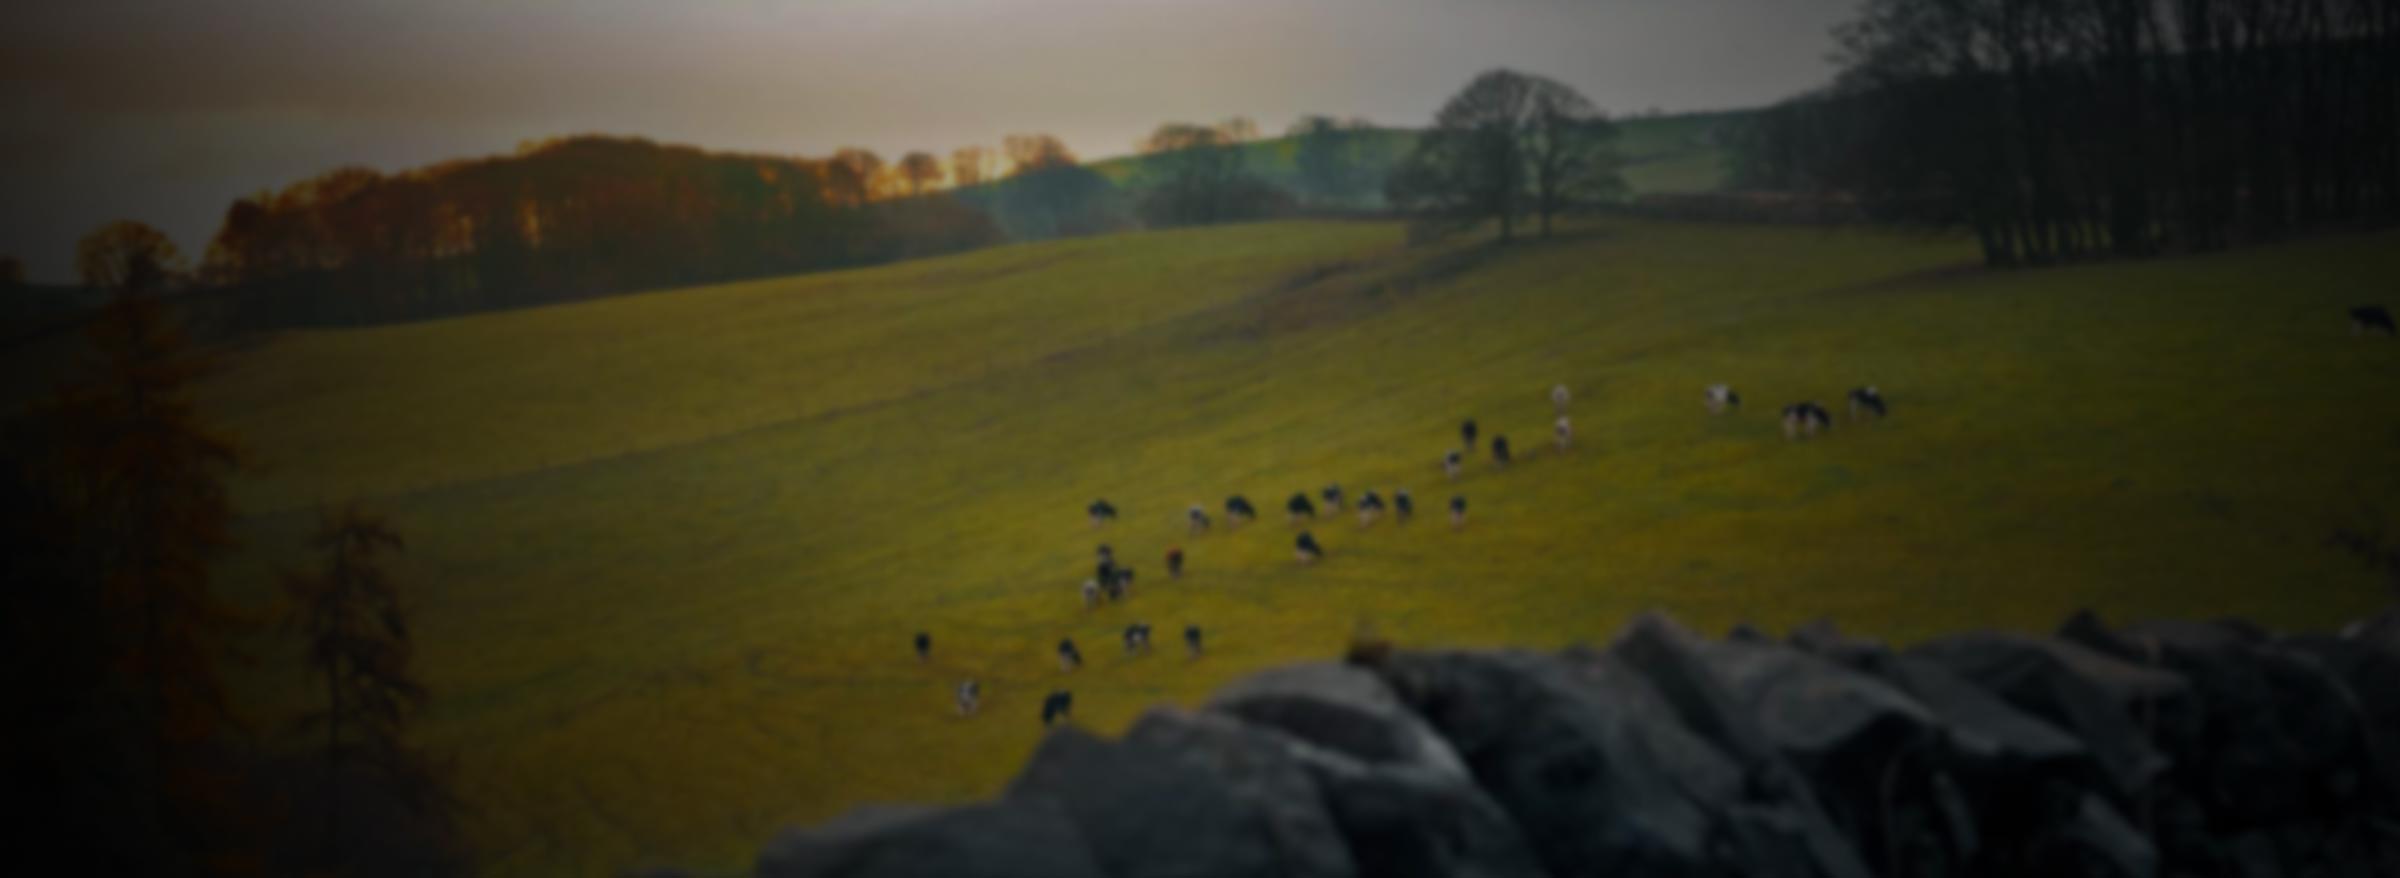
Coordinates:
[1306,548]
[1721,397]
[1069,658]
[1333,497]
[1466,432]
[1370,507]
[1105,554]
[1238,510]
[1500,450]
[1091,593]
[2371,318]
[1105,573]
[1137,638]
[1403,505]
[1197,519]
[970,697]
[1451,462]
[1299,507]
[1175,563]
[1866,400]
[924,646]
[1805,419]
[1562,432]
[1101,511]
[1058,707]
[1458,510]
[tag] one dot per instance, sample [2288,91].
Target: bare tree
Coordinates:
[1568,153]
[356,629]
[1471,165]
[1193,174]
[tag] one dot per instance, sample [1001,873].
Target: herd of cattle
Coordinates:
[1112,581]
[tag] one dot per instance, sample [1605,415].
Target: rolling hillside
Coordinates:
[668,549]
[1684,152]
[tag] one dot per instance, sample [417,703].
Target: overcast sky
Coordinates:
[167,110]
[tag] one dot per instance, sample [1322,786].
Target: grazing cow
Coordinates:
[1558,398]
[1137,638]
[924,646]
[1238,510]
[1403,505]
[1333,497]
[1191,640]
[1458,510]
[1450,463]
[1370,507]
[1091,593]
[1057,706]
[1306,548]
[1563,432]
[1106,554]
[1805,419]
[1500,450]
[970,696]
[2371,318]
[1866,399]
[1300,508]
[1101,511]
[1175,563]
[1197,518]
[1466,431]
[1069,658]
[1106,573]
[1722,397]
[1124,583]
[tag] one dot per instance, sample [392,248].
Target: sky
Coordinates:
[166,111]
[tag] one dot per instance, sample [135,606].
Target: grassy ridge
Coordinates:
[1675,153]
[669,549]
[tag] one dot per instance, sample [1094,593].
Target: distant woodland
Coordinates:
[592,215]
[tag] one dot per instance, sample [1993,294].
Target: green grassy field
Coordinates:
[668,549]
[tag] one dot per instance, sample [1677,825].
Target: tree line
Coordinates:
[2064,129]
[586,216]
[566,219]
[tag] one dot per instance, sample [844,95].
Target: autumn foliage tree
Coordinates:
[137,478]
[970,165]
[921,171]
[128,257]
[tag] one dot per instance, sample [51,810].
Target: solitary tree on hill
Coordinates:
[1507,144]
